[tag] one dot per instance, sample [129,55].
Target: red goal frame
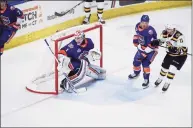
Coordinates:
[56,92]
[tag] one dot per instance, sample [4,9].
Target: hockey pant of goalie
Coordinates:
[144,59]
[5,36]
[85,69]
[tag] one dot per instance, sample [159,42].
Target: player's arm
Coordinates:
[181,45]
[152,36]
[19,17]
[136,37]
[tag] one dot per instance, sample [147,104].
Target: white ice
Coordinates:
[116,101]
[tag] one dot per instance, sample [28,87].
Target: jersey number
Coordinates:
[181,40]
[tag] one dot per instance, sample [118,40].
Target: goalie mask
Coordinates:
[79,36]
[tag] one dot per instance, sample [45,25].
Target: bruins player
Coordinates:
[87,10]
[175,57]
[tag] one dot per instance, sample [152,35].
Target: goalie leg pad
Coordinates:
[96,72]
[76,76]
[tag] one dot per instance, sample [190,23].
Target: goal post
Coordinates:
[93,31]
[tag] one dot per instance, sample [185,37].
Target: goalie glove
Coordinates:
[95,54]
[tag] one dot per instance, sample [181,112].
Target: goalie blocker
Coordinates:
[75,60]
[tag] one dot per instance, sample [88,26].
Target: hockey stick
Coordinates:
[166,47]
[79,90]
[64,13]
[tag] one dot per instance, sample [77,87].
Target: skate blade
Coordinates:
[145,87]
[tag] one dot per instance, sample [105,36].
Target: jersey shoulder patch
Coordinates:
[12,8]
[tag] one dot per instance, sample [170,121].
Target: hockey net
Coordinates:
[47,78]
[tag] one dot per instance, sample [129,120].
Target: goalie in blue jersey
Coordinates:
[75,60]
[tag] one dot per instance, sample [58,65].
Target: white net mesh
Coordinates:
[44,79]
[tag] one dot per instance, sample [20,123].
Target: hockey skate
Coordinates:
[86,20]
[132,76]
[165,87]
[158,82]
[145,83]
[64,85]
[100,20]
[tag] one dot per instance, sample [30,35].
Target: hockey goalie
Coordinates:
[75,60]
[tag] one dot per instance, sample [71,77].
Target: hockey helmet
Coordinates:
[145,18]
[79,36]
[170,26]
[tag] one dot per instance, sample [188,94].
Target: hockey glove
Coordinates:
[156,42]
[173,49]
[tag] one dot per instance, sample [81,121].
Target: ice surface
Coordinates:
[113,102]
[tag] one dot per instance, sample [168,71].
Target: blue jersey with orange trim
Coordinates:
[76,52]
[9,17]
[144,36]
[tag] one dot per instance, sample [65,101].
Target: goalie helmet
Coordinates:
[79,36]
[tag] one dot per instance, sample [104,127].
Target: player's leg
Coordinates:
[146,67]
[177,64]
[87,11]
[100,7]
[75,75]
[1,49]
[136,65]
[164,70]
[5,37]
[96,72]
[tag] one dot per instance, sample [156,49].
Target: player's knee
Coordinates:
[79,73]
[146,70]
[137,68]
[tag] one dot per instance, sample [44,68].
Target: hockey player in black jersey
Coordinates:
[176,55]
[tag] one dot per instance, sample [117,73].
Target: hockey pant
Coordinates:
[145,60]
[5,37]
[90,70]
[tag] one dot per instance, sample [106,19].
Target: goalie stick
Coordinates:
[79,90]
[64,13]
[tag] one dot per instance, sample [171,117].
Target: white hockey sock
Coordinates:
[100,6]
[163,73]
[171,74]
[87,9]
